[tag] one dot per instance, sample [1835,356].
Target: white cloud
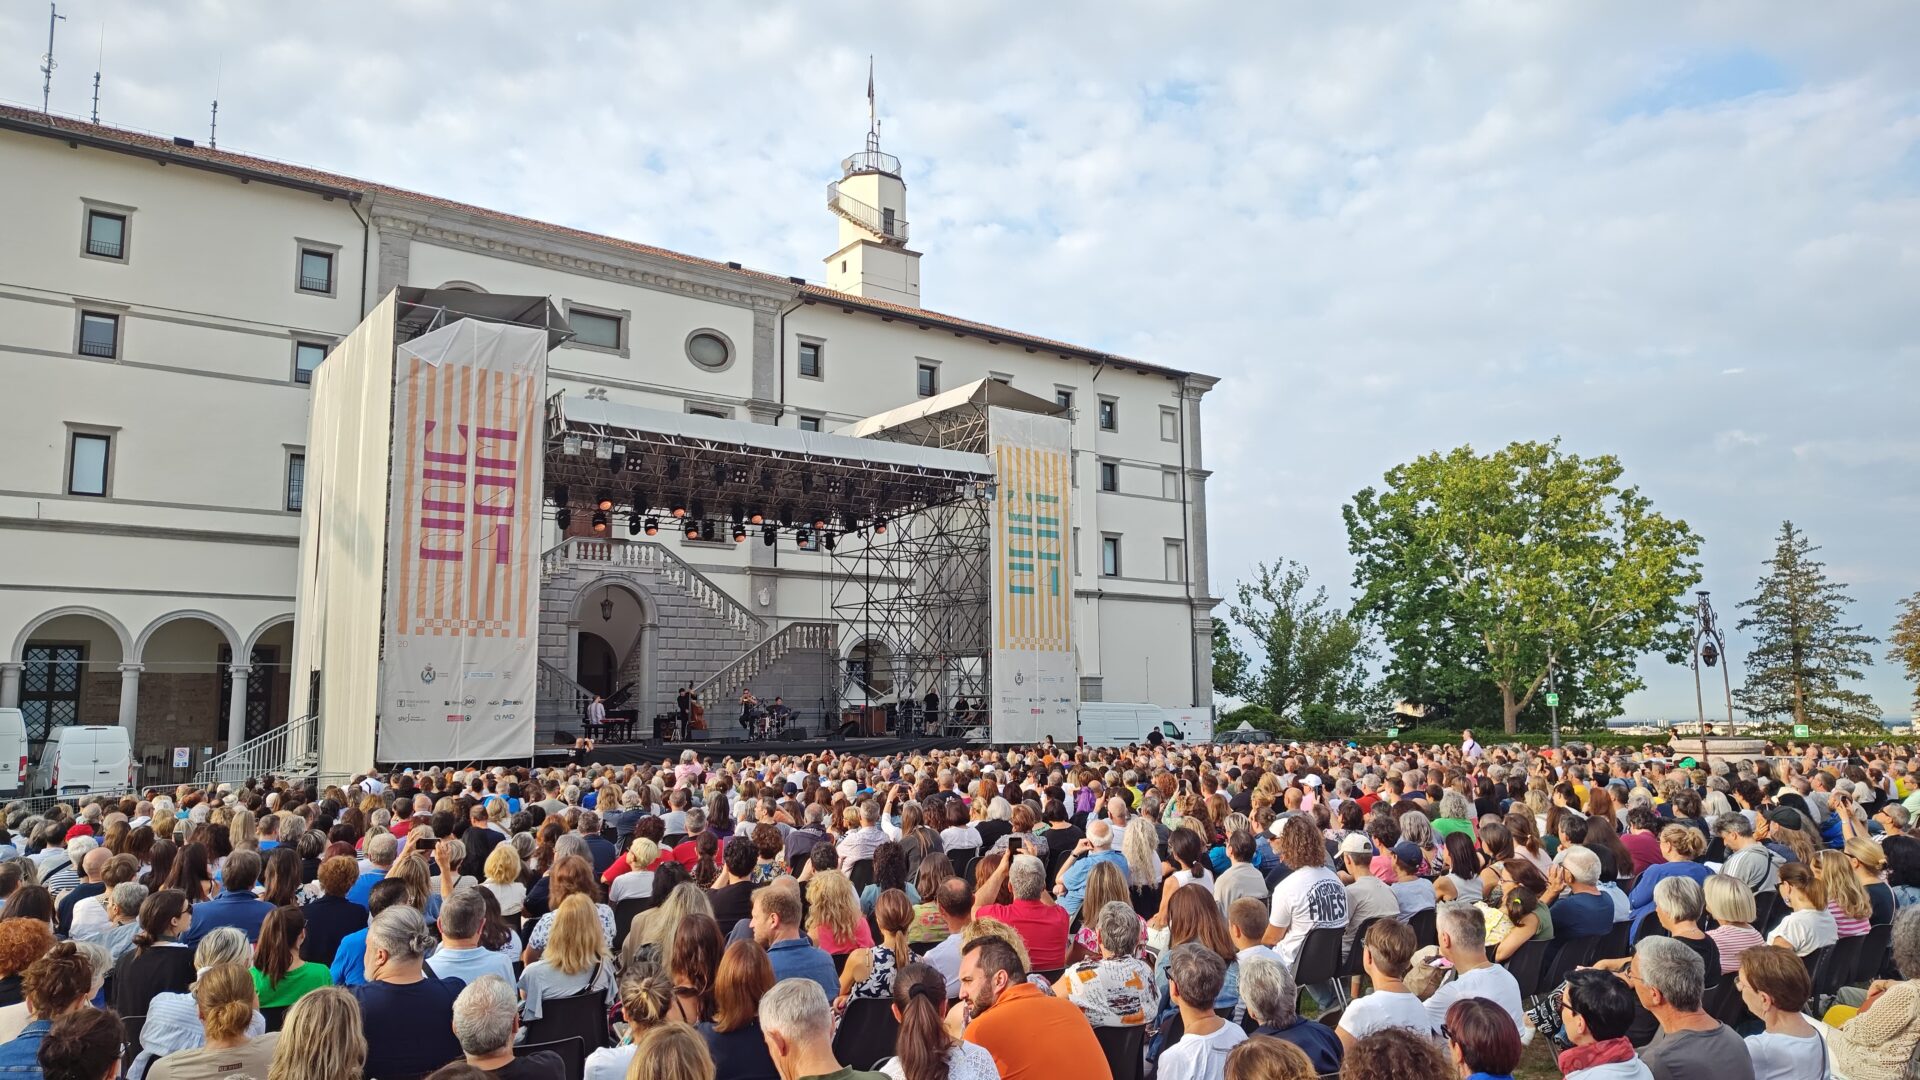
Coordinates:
[1390,231]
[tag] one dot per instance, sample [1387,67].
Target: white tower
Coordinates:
[870,200]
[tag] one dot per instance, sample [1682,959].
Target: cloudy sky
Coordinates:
[1682,234]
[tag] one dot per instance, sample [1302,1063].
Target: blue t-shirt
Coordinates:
[1579,915]
[409,1027]
[349,965]
[798,958]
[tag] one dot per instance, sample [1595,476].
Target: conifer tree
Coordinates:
[1803,656]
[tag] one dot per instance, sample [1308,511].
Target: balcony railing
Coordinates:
[867,161]
[106,249]
[313,283]
[881,223]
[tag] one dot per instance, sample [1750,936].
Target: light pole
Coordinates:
[1709,648]
[1553,697]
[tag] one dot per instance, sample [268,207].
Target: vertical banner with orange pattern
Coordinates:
[1036,681]
[458,672]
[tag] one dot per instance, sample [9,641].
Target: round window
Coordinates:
[709,349]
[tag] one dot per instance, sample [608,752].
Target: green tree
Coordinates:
[1906,643]
[1801,655]
[1229,661]
[1306,651]
[1479,570]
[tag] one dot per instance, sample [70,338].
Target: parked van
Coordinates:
[13,752]
[82,759]
[1113,723]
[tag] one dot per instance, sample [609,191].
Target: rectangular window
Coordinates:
[929,380]
[1170,483]
[809,423]
[717,414]
[1003,380]
[1169,424]
[591,328]
[1109,415]
[1110,556]
[307,356]
[87,464]
[1176,561]
[99,334]
[106,234]
[296,480]
[810,359]
[316,270]
[1063,398]
[1109,476]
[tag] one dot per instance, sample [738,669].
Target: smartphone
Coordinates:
[1013,845]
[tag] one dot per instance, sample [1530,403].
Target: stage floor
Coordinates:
[636,753]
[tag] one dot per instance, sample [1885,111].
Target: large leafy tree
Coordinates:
[1305,651]
[1802,654]
[1906,643]
[1481,571]
[1229,662]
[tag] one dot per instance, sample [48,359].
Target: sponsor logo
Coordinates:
[493,703]
[427,674]
[512,701]
[479,675]
[505,716]
[458,718]
[410,718]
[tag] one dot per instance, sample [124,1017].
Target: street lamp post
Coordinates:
[1710,648]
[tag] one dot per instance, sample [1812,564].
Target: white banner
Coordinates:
[458,672]
[1036,680]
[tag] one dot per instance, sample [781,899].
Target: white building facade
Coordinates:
[162,304]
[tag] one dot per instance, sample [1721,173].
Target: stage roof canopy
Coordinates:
[907,420]
[651,461]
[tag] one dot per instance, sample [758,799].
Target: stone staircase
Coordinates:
[703,637]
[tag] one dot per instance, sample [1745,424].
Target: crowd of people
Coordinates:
[1202,912]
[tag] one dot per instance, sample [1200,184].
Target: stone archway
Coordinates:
[66,667]
[186,663]
[614,625]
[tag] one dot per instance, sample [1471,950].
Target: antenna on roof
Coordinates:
[47,65]
[98,63]
[213,127]
[873,116]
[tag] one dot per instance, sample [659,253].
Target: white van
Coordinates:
[13,752]
[1113,723]
[82,759]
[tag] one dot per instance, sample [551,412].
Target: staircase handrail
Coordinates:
[645,554]
[289,749]
[771,648]
[865,216]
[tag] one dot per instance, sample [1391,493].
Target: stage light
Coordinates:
[559,495]
[879,526]
[711,532]
[698,508]
[599,523]
[673,468]
[719,473]
[820,520]
[786,514]
[756,519]
[633,523]
[603,501]
[563,517]
[769,536]
[653,526]
[570,445]
[800,538]
[739,474]
[848,522]
[739,533]
[827,539]
[806,483]
[679,507]
[603,449]
[693,530]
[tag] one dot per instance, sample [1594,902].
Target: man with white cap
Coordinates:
[1368,897]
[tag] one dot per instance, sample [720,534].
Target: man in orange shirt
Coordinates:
[1031,1034]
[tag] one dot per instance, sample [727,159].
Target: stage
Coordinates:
[656,752]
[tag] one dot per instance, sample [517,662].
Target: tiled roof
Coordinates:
[208,157]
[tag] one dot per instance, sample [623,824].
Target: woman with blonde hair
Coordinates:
[670,1052]
[322,1039]
[834,921]
[1808,926]
[1730,902]
[571,874]
[1870,867]
[574,961]
[1105,884]
[655,928]
[646,1001]
[1846,898]
[503,880]
[225,999]
[869,973]
[637,882]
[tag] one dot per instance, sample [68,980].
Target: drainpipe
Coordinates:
[366,239]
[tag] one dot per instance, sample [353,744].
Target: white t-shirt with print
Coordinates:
[1305,900]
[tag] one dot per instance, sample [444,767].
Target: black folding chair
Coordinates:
[130,1032]
[1613,943]
[861,874]
[582,1016]
[1356,956]
[1873,950]
[1569,954]
[961,859]
[1320,960]
[1527,965]
[1425,932]
[572,1053]
[1126,1050]
[1767,912]
[624,913]
[866,1035]
[1834,963]
[276,1017]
